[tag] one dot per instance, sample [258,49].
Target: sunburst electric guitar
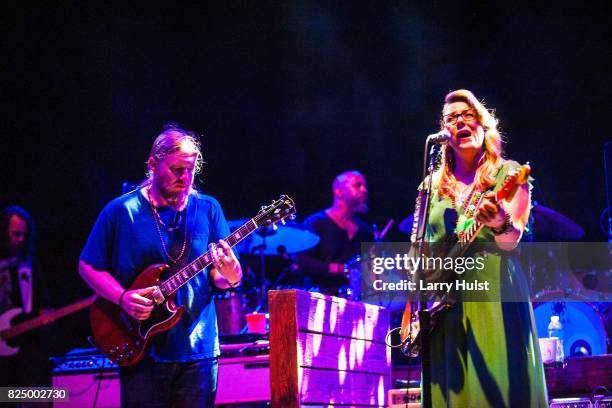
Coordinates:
[125,340]
[410,329]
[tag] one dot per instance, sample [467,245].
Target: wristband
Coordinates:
[233,285]
[505,228]
[121,297]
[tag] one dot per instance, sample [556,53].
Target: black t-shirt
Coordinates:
[334,247]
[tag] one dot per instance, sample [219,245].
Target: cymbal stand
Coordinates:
[262,296]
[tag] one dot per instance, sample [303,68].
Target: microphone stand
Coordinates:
[429,159]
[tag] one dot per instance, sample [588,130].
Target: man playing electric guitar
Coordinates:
[22,296]
[165,221]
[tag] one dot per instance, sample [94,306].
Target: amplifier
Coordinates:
[243,378]
[87,373]
[83,388]
[405,398]
[580,403]
[82,360]
[255,348]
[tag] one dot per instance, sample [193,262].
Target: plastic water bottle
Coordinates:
[555,329]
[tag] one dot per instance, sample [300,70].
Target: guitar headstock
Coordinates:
[278,210]
[517,178]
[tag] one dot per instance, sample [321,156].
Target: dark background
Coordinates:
[287,96]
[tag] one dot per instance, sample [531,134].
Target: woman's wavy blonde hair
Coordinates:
[491,159]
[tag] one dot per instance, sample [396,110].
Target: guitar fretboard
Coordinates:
[45,318]
[172,284]
[470,234]
[512,180]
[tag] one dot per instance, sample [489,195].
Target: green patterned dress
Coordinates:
[485,354]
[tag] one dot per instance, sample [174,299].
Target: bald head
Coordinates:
[351,190]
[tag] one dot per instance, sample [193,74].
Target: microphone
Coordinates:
[442,137]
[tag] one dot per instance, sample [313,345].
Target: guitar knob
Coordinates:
[129,354]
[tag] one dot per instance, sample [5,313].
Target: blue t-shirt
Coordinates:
[125,241]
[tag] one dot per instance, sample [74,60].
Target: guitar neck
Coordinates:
[172,284]
[470,234]
[45,318]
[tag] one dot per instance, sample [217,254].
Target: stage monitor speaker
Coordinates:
[243,380]
[580,403]
[83,388]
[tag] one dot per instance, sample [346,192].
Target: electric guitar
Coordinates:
[125,340]
[7,332]
[410,328]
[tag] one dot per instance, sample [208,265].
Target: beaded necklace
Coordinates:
[159,221]
[466,209]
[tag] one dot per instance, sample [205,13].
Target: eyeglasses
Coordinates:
[451,118]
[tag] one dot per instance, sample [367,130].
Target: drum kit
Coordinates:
[267,263]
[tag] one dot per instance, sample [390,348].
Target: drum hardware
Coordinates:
[585,326]
[292,236]
[289,268]
[282,240]
[231,307]
[380,235]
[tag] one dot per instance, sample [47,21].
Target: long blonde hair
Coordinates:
[490,161]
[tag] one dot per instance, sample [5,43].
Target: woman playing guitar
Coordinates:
[482,353]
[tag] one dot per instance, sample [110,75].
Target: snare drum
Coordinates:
[584,326]
[358,271]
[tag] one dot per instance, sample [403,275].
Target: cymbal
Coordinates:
[405,225]
[293,237]
[235,224]
[551,225]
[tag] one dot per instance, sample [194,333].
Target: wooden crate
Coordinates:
[580,375]
[327,351]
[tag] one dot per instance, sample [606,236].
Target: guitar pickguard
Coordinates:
[160,315]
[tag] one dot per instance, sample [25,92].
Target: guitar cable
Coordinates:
[92,341]
[100,377]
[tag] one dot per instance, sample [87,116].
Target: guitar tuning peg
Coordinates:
[283,222]
[274,227]
[292,217]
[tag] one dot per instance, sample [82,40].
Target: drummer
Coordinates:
[341,232]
